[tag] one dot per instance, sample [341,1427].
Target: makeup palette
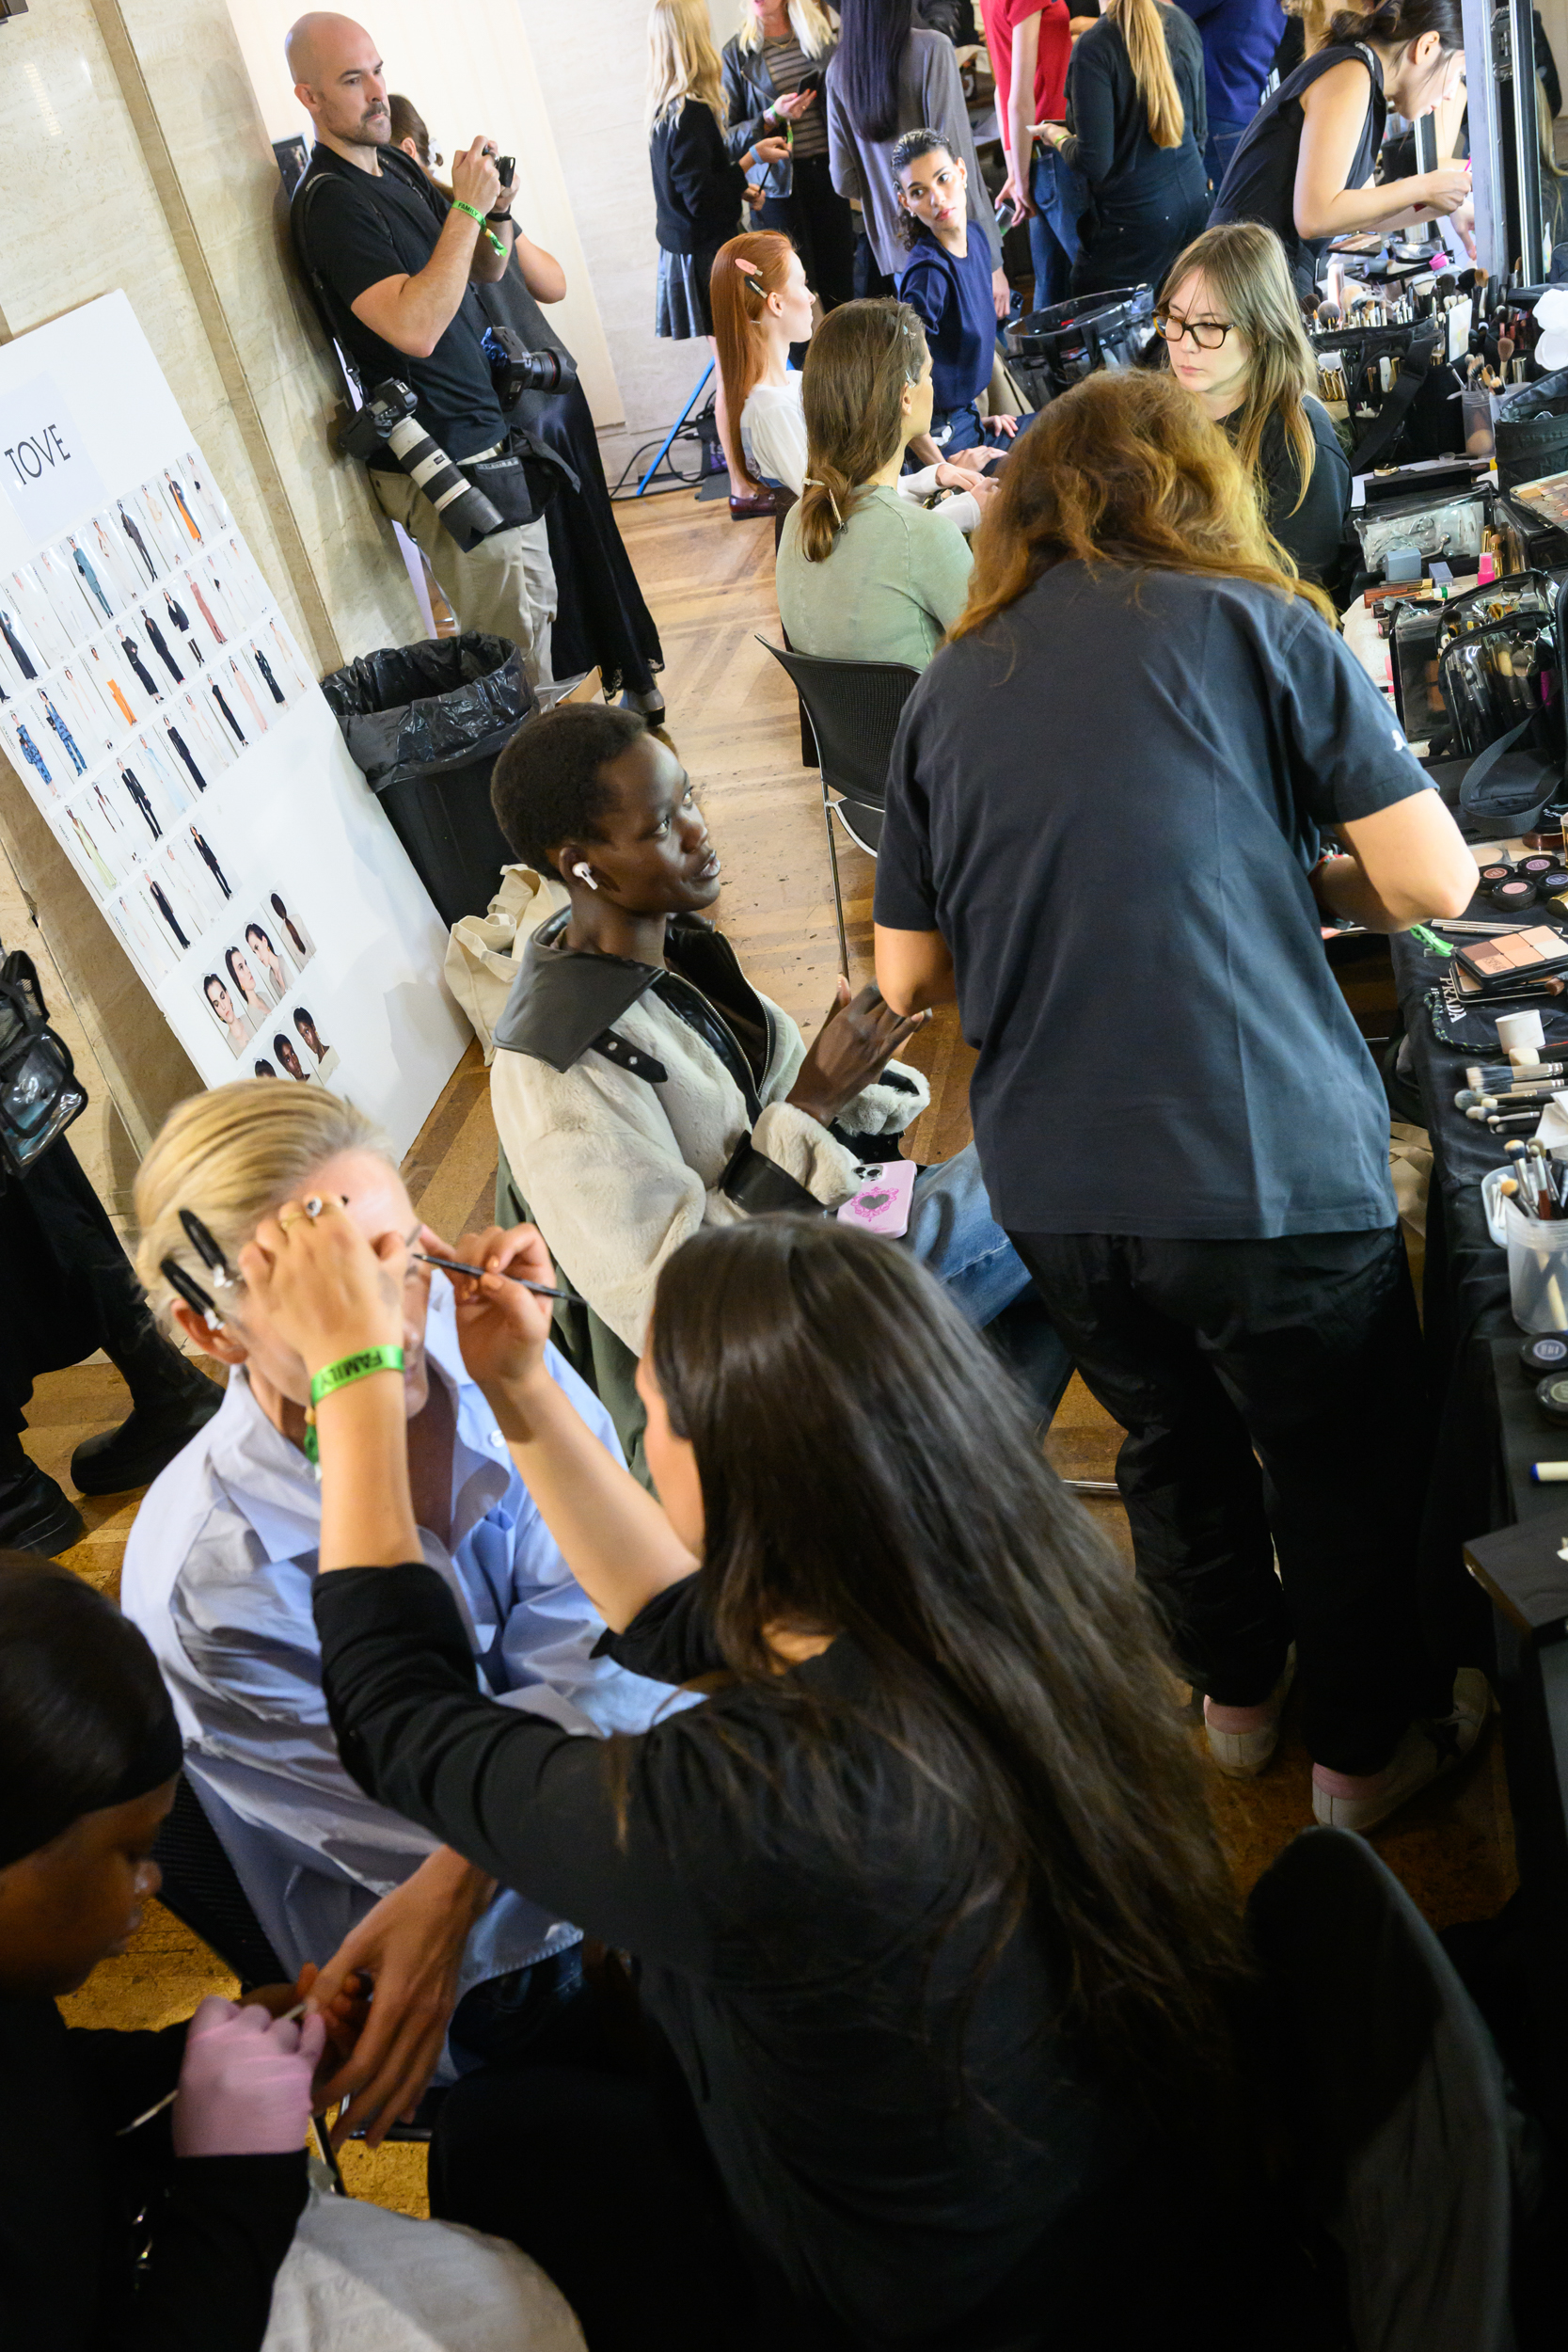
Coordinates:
[1537,867]
[1515,957]
[1492,875]
[1519,891]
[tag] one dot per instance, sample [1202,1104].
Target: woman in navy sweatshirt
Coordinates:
[947,279]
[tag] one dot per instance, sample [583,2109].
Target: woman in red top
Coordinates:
[1030,42]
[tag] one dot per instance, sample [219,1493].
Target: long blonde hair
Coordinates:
[682,62]
[1143,29]
[229,1156]
[1124,469]
[812,27]
[858,364]
[1243,266]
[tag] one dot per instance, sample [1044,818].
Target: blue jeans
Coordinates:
[952,1231]
[1218,148]
[1060,196]
[965,428]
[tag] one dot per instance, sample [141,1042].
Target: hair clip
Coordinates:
[191,1292]
[208,1251]
[748,268]
[810,483]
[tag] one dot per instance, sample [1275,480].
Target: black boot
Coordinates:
[170,1402]
[34,1513]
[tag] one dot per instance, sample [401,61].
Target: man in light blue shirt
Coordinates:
[218,1575]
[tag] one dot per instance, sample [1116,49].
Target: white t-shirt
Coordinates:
[774,438]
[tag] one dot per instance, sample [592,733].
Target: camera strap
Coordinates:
[521,479]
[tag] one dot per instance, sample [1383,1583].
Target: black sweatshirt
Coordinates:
[697,189]
[796,1979]
[71,2189]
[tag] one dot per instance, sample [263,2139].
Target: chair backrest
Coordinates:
[201,1889]
[1394,2095]
[854,708]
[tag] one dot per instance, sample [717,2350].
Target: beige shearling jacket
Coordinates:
[629,1115]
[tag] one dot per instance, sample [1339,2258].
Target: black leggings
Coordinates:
[821,226]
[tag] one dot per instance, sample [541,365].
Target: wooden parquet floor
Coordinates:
[733,717]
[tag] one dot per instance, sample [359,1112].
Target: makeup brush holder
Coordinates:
[1537,1270]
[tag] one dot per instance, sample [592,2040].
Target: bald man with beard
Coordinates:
[394,262]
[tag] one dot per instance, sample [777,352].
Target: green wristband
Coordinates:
[359,1367]
[340,1375]
[498,243]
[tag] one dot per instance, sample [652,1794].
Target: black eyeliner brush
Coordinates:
[455,1265]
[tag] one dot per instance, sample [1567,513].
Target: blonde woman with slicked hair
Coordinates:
[1234,338]
[1137,120]
[219,1572]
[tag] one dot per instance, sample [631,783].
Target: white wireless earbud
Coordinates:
[585,873]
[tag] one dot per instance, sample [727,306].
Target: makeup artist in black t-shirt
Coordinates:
[1180,1126]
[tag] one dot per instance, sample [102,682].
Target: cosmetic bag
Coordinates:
[1499,671]
[40,1094]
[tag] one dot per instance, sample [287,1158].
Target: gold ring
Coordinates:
[285,1219]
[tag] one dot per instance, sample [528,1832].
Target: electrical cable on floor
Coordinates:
[659,487]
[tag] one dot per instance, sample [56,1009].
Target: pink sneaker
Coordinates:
[1429,1751]
[1242,1740]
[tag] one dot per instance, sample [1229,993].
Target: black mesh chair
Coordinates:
[1411,2165]
[854,708]
[202,1889]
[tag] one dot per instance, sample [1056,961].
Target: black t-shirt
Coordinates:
[1313,532]
[910,2142]
[354,230]
[1108,801]
[1260,180]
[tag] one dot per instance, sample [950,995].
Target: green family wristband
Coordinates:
[458,206]
[340,1375]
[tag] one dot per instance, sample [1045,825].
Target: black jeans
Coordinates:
[822,227]
[1274,1396]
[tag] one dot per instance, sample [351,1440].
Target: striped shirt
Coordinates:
[786,62]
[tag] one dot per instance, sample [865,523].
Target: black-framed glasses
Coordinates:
[1207,334]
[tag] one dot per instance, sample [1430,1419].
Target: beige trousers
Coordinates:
[505,585]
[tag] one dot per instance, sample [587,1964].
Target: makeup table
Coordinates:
[1489,1432]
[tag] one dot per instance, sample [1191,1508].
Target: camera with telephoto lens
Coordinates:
[515,370]
[386,422]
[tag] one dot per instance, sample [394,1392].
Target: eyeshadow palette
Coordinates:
[1516,956]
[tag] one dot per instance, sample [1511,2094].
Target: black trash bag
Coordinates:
[424,725]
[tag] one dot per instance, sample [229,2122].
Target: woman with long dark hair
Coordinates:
[1135,125]
[888,76]
[1179,1121]
[1304,166]
[935,1940]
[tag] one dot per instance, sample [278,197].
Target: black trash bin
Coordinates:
[424,725]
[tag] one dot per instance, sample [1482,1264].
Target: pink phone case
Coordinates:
[882,1203]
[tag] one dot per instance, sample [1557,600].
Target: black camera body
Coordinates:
[370,427]
[516,370]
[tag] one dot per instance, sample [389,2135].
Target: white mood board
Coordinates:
[159,711]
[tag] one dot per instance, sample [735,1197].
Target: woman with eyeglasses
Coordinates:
[1234,336]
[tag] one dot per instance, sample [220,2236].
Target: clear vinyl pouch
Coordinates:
[1500,664]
